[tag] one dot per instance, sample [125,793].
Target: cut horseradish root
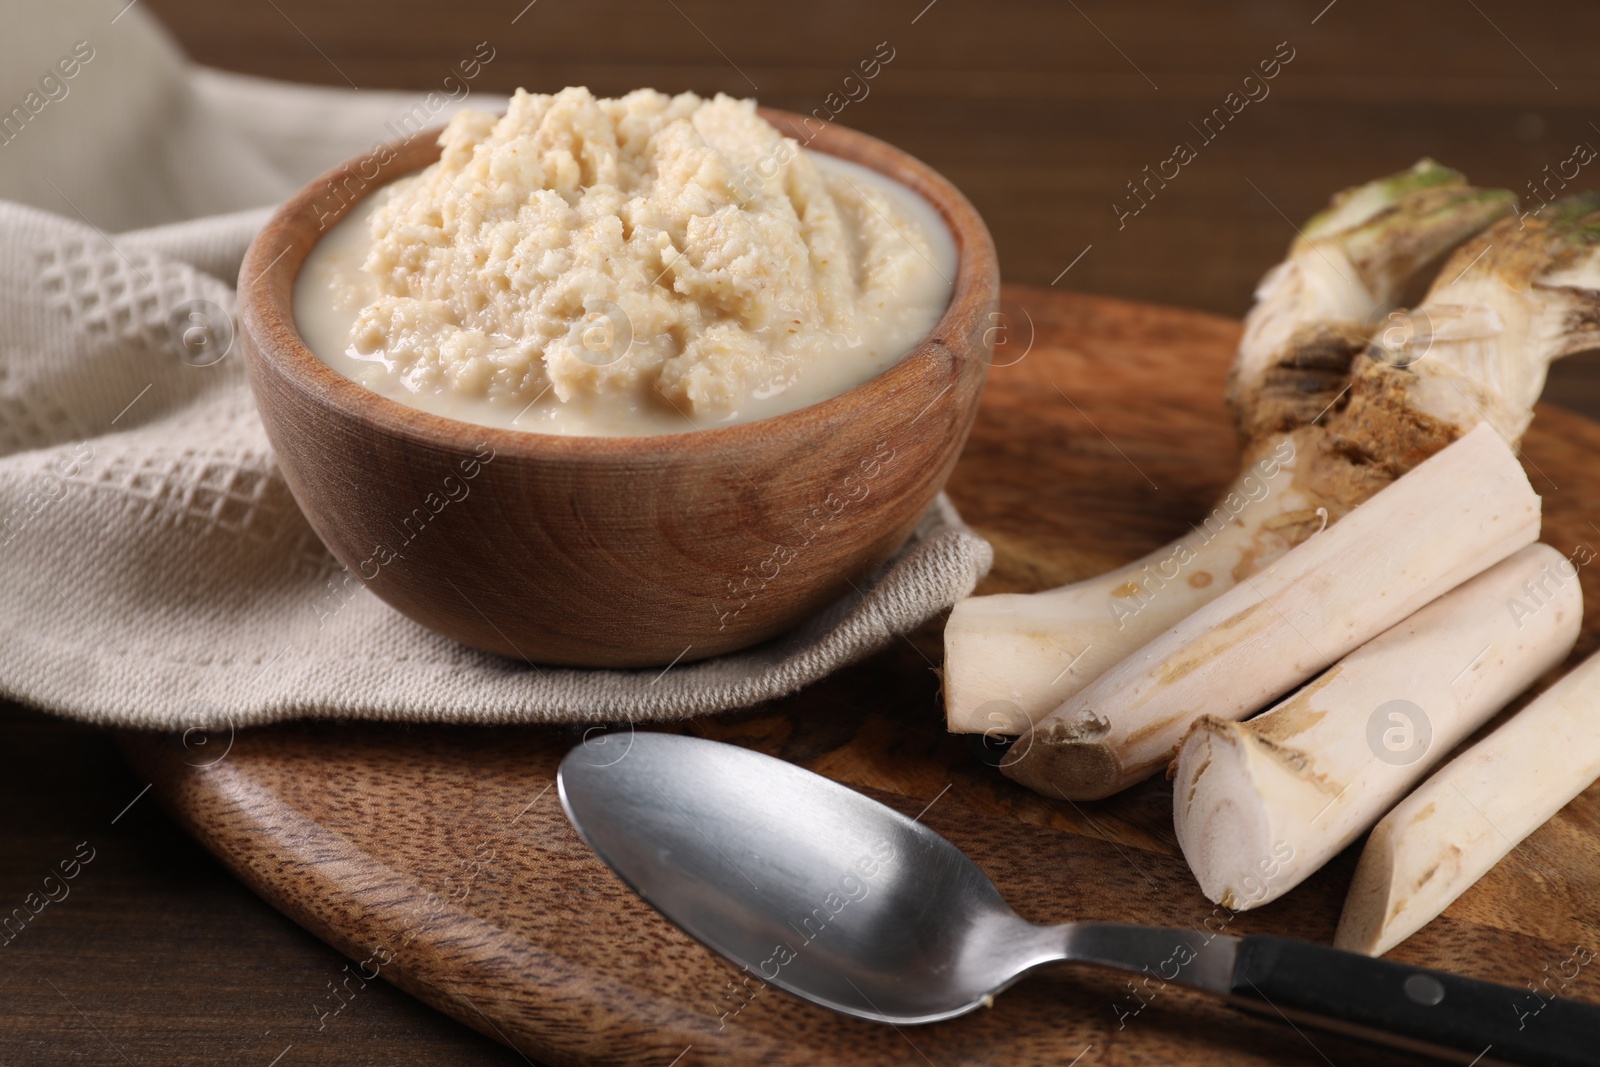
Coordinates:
[1455,515]
[1011,659]
[1469,361]
[1295,785]
[1462,821]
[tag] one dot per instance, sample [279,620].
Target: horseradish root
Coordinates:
[1509,302]
[1011,659]
[1312,774]
[1474,810]
[1455,515]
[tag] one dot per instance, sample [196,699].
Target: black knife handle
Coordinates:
[1412,1008]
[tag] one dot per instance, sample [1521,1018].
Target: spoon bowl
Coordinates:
[814,888]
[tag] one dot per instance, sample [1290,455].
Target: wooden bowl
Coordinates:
[613,551]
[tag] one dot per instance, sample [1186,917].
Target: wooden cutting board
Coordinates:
[439,857]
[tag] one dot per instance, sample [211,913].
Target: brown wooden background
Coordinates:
[1041,110]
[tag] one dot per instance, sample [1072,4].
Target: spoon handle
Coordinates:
[1416,1009]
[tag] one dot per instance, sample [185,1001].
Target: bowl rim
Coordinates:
[266,316]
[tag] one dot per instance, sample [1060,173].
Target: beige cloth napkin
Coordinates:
[154,570]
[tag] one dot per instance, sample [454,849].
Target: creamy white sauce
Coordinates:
[332,288]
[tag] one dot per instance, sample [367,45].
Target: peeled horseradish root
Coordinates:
[1508,302]
[1307,777]
[1012,659]
[1455,515]
[1473,354]
[1462,821]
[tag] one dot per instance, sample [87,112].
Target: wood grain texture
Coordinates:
[439,857]
[156,951]
[613,551]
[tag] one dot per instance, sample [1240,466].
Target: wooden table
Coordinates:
[1040,111]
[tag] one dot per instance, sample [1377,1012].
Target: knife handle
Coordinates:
[1412,1008]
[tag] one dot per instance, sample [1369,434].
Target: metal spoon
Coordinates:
[838,899]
